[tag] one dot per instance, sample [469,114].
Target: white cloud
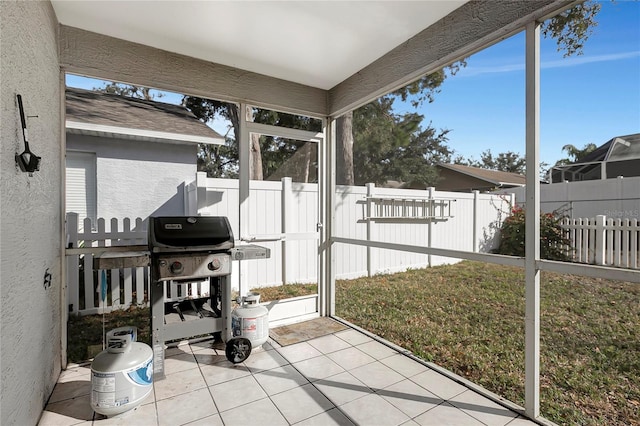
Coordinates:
[471,71]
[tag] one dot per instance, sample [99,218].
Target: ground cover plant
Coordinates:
[469,319]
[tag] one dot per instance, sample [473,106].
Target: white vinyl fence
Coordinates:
[461,221]
[604,241]
[124,286]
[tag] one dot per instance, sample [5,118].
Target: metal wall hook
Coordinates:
[27,161]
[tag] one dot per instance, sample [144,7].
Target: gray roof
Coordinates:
[105,109]
[491,176]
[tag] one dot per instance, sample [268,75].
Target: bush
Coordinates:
[554,244]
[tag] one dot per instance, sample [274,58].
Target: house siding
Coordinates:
[138,178]
[31,219]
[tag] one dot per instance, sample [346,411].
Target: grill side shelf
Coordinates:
[123,259]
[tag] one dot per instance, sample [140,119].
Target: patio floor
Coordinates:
[343,378]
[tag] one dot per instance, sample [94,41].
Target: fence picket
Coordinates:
[89,287]
[140,286]
[128,286]
[611,242]
[635,235]
[610,246]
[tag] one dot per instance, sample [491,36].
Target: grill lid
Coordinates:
[189,233]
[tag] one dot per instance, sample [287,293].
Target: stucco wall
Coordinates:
[138,178]
[30,212]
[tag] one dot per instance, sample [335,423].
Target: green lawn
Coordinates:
[469,318]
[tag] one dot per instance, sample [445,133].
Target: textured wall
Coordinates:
[136,178]
[30,212]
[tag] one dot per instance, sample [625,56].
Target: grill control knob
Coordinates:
[214,265]
[176,267]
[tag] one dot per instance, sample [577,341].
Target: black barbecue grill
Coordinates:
[189,249]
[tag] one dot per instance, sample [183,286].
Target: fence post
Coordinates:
[599,248]
[431,212]
[286,199]
[476,195]
[370,190]
[201,192]
[73,282]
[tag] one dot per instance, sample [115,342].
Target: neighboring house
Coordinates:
[456,177]
[129,157]
[620,156]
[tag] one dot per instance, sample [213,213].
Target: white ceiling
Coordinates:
[316,43]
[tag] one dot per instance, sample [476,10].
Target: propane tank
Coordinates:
[251,320]
[122,374]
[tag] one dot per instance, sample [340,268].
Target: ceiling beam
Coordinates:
[468,29]
[108,58]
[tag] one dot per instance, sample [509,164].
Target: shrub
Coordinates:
[553,238]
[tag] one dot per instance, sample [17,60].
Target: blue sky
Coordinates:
[584,99]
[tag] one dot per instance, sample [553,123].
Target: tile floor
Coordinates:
[344,378]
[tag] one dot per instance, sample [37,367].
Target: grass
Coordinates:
[469,318]
[85,332]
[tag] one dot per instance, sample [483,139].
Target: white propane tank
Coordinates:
[251,320]
[122,374]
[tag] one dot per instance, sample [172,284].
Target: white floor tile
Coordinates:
[318,368]
[280,379]
[483,409]
[299,352]
[438,384]
[67,412]
[410,398]
[377,375]
[265,360]
[73,388]
[179,383]
[301,403]
[329,343]
[376,350]
[75,373]
[236,393]
[185,408]
[261,412]
[333,417]
[404,365]
[522,421]
[446,415]
[180,349]
[208,357]
[373,410]
[353,337]
[214,420]
[350,358]
[223,372]
[181,362]
[143,415]
[342,388]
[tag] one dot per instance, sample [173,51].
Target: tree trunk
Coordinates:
[344,150]
[255,165]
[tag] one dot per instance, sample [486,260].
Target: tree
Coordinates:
[508,161]
[129,91]
[572,28]
[389,146]
[576,154]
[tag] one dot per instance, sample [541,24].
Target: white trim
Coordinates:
[457,254]
[532,222]
[284,132]
[101,130]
